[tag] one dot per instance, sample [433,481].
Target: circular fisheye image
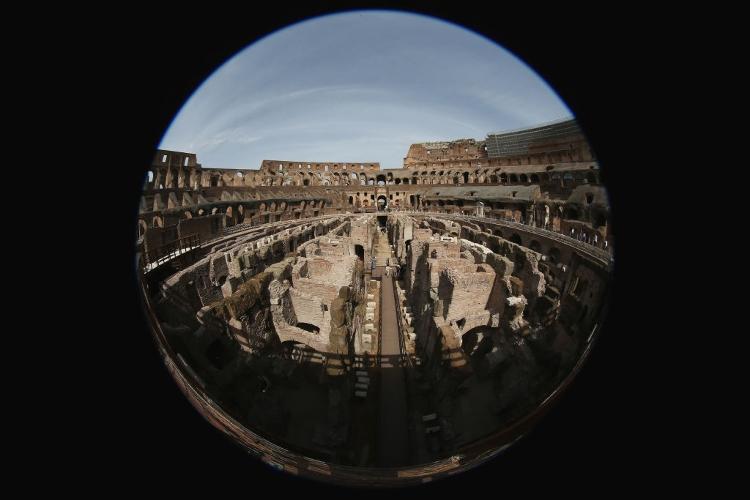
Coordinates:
[374,248]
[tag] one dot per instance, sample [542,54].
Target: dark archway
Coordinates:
[554,255]
[571,213]
[359,251]
[477,342]
[515,238]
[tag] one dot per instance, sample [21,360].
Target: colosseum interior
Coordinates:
[335,316]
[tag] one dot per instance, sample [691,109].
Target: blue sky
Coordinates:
[358,87]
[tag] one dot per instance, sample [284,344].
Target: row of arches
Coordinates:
[195,179]
[236,214]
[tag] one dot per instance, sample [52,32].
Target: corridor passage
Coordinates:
[393,437]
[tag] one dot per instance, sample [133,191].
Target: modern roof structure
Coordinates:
[517,142]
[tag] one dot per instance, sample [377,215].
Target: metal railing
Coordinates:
[164,253]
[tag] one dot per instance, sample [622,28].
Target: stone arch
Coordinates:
[380,180]
[157,221]
[503,178]
[516,238]
[524,178]
[534,178]
[513,178]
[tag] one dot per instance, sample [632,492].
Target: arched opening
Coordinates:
[351,200]
[493,179]
[381,180]
[534,178]
[571,213]
[515,238]
[466,177]
[142,227]
[524,178]
[229,215]
[497,232]
[598,219]
[157,222]
[554,255]
[503,178]
[306,182]
[382,202]
[359,252]
[513,178]
[534,245]
[477,342]
[397,181]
